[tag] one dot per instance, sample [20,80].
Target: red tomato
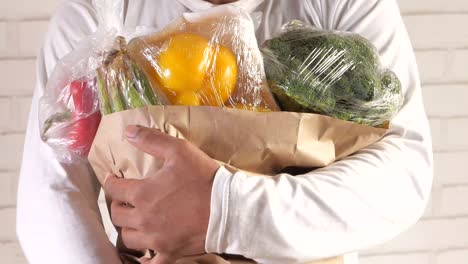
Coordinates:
[85,115]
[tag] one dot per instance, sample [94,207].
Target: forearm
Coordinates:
[353,204]
[348,206]
[57,225]
[58,219]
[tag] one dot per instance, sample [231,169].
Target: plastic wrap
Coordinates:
[209,58]
[333,73]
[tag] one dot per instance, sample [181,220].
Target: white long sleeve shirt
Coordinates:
[351,205]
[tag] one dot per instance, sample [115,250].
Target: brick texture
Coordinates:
[446,100]
[31,34]
[8,225]
[8,39]
[14,113]
[430,207]
[438,131]
[11,253]
[27,9]
[5,113]
[457,66]
[8,186]
[452,257]
[12,145]
[20,112]
[457,131]
[450,168]
[432,65]
[438,34]
[433,6]
[18,77]
[429,234]
[443,66]
[454,201]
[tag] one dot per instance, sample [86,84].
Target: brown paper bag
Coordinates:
[258,143]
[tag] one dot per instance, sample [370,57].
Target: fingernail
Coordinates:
[132,131]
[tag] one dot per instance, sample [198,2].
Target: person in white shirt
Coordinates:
[351,205]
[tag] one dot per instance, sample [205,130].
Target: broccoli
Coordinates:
[332,73]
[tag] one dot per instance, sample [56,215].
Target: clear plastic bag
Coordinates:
[209,58]
[70,109]
[333,73]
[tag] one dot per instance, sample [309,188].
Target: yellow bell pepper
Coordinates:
[220,85]
[187,98]
[191,71]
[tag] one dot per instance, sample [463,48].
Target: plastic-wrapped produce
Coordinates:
[198,60]
[96,78]
[331,73]
[207,67]
[122,84]
[209,58]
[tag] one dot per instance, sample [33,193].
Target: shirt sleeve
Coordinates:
[58,219]
[350,205]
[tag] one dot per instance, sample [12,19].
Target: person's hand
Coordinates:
[169,210]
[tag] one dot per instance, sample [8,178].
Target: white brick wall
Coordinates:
[446,101]
[437,35]
[18,77]
[11,253]
[450,168]
[22,27]
[8,183]
[441,45]
[27,9]
[433,6]
[441,237]
[454,201]
[452,257]
[8,233]
[30,35]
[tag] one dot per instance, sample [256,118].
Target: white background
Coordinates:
[439,31]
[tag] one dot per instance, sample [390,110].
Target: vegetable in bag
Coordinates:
[194,72]
[331,73]
[96,78]
[209,58]
[202,59]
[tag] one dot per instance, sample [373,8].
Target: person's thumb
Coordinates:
[151,141]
